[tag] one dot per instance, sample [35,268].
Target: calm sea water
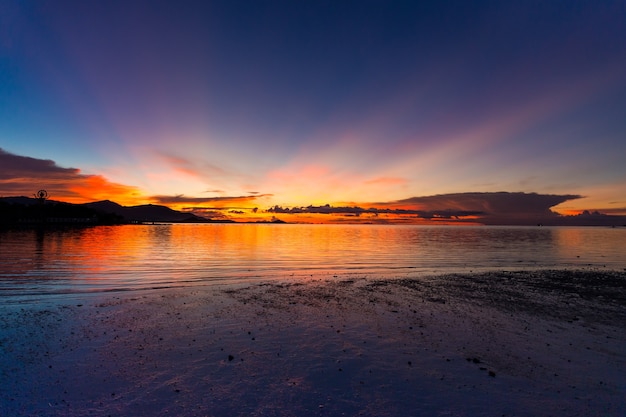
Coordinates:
[91,260]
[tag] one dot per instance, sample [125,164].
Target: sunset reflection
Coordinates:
[146,256]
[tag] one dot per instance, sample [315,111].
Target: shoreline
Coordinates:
[533,343]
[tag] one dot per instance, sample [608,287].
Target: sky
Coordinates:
[340,111]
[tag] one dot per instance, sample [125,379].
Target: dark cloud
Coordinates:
[358,211]
[206,212]
[613,210]
[218,213]
[592,218]
[490,203]
[23,175]
[16,166]
[500,208]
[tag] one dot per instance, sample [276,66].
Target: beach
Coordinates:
[517,343]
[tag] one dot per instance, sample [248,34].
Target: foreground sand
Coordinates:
[510,343]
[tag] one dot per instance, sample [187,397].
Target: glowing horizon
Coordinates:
[220,108]
[23,174]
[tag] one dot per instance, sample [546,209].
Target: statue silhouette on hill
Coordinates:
[41,196]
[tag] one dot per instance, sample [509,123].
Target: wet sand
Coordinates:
[547,343]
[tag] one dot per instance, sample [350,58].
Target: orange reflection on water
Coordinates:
[149,256]
[589,245]
[100,252]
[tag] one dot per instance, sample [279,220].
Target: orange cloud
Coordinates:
[194,168]
[22,175]
[216,203]
[96,187]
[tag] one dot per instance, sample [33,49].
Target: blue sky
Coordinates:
[312,103]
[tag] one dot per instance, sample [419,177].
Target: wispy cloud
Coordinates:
[387,181]
[182,199]
[192,166]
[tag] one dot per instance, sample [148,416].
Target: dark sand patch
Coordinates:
[512,343]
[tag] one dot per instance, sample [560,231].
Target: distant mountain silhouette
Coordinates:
[26,210]
[146,213]
[106,206]
[25,201]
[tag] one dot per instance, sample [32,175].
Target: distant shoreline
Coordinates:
[23,209]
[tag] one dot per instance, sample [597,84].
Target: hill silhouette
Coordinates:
[149,213]
[31,211]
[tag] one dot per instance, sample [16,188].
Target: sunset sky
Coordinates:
[309,110]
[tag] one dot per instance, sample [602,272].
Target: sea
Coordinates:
[38,264]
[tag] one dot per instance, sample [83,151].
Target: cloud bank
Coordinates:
[358,211]
[496,208]
[23,175]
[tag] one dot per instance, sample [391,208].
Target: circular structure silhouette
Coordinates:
[41,195]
